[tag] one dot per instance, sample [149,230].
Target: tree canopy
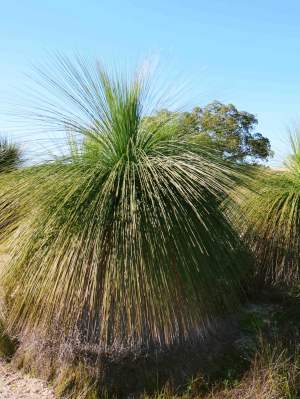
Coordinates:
[225,128]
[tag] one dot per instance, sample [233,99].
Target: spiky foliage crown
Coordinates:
[269,218]
[124,238]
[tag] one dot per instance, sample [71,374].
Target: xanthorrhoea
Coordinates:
[123,238]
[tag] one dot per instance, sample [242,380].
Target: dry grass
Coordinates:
[274,374]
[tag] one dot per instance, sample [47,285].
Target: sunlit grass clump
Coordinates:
[270,220]
[122,239]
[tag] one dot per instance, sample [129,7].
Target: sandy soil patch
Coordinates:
[14,385]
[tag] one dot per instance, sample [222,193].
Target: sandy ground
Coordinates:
[14,385]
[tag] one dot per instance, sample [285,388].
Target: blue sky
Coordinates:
[244,52]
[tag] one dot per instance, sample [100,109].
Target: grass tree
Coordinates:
[10,159]
[269,219]
[10,155]
[123,238]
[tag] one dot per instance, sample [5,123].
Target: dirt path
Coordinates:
[14,385]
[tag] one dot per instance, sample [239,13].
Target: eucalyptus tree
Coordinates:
[224,127]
